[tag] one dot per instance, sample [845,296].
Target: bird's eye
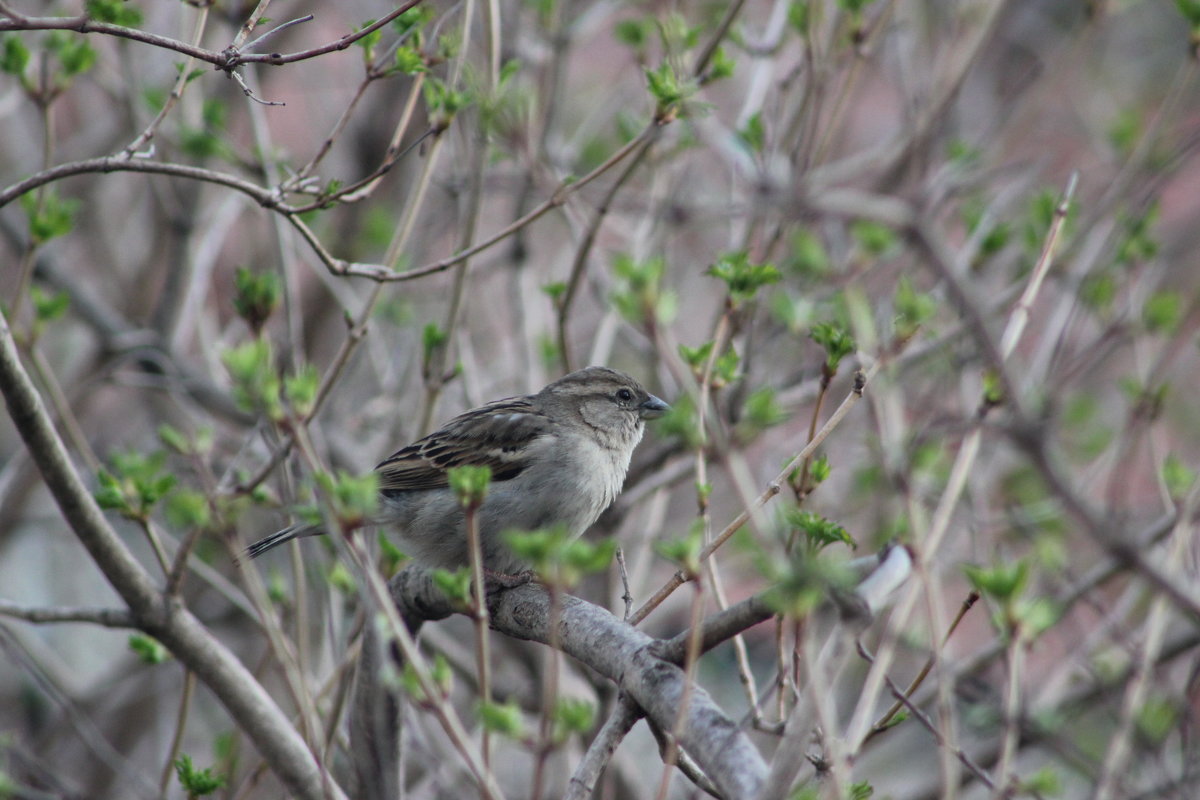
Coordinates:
[624,395]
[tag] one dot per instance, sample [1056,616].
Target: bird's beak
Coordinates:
[652,408]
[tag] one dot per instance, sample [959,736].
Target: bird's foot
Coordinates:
[496,582]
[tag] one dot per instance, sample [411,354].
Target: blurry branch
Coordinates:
[108,617]
[1084,699]
[923,718]
[680,577]
[169,622]
[226,60]
[1101,525]
[146,347]
[134,782]
[563,306]
[176,93]
[271,199]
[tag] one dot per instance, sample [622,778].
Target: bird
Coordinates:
[557,458]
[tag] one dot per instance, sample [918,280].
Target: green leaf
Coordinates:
[1037,616]
[638,293]
[874,238]
[680,422]
[807,256]
[854,7]
[118,12]
[440,673]
[48,306]
[1097,291]
[148,649]
[301,390]
[1162,312]
[135,483]
[256,296]
[633,33]
[173,438]
[1125,130]
[836,341]
[340,579]
[412,20]
[582,557]
[721,66]
[798,16]
[725,368]
[861,790]
[354,498]
[1137,243]
[502,718]
[74,54]
[817,531]
[1156,719]
[1003,582]
[470,483]
[762,411]
[432,338]
[15,56]
[50,217]
[1045,782]
[200,143]
[455,585]
[685,551]
[409,61]
[802,583]
[196,782]
[1190,9]
[742,278]
[187,509]
[370,41]
[390,555]
[1177,477]
[667,89]
[753,133]
[696,357]
[572,716]
[819,469]
[442,103]
[560,559]
[256,384]
[913,309]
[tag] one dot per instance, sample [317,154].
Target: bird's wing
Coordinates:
[496,435]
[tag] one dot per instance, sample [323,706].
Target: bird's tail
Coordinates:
[279,537]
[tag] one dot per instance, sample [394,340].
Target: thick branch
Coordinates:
[625,656]
[246,700]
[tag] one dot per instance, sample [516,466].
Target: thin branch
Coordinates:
[228,59]
[108,617]
[773,488]
[920,715]
[619,723]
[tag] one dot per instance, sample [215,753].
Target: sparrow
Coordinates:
[557,457]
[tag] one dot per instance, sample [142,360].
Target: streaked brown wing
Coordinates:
[495,435]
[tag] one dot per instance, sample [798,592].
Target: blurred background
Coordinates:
[775,196]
